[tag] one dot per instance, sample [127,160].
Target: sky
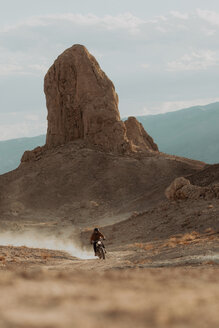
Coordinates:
[161,55]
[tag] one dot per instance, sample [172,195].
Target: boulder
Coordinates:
[176,185]
[181,188]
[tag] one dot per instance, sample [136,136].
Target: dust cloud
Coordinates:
[32,239]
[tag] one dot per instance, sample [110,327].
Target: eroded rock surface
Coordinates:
[82,104]
[181,188]
[32,155]
[138,136]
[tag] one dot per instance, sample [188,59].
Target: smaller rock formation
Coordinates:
[32,155]
[181,188]
[138,136]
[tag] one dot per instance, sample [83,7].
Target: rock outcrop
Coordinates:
[138,136]
[82,104]
[32,155]
[181,188]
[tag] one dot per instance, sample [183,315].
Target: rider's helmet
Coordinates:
[96,230]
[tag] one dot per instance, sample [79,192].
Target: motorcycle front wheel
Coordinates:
[101,253]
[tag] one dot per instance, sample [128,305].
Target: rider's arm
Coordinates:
[102,236]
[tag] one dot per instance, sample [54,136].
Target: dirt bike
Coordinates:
[100,250]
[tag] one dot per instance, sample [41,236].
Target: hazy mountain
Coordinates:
[12,150]
[191,132]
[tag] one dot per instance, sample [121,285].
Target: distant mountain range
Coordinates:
[12,150]
[191,132]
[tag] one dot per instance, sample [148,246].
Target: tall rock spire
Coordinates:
[82,104]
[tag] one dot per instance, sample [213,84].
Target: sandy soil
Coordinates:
[134,286]
[177,297]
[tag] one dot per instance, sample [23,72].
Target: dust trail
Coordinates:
[34,240]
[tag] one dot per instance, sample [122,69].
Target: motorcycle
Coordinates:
[100,250]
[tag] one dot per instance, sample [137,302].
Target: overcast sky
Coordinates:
[162,55]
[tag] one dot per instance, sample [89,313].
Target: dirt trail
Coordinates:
[161,271]
[48,288]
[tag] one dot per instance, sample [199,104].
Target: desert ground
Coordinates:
[152,277]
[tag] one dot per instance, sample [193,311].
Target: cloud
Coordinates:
[209,16]
[145,66]
[171,106]
[125,21]
[196,61]
[29,22]
[10,69]
[20,62]
[208,32]
[179,15]
[16,69]
[38,68]
[16,125]
[30,46]
[161,29]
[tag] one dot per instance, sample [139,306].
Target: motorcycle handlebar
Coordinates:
[94,241]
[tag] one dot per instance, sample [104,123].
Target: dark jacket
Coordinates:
[96,236]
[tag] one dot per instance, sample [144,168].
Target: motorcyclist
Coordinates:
[95,237]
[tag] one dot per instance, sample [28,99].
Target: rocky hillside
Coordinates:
[86,184]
